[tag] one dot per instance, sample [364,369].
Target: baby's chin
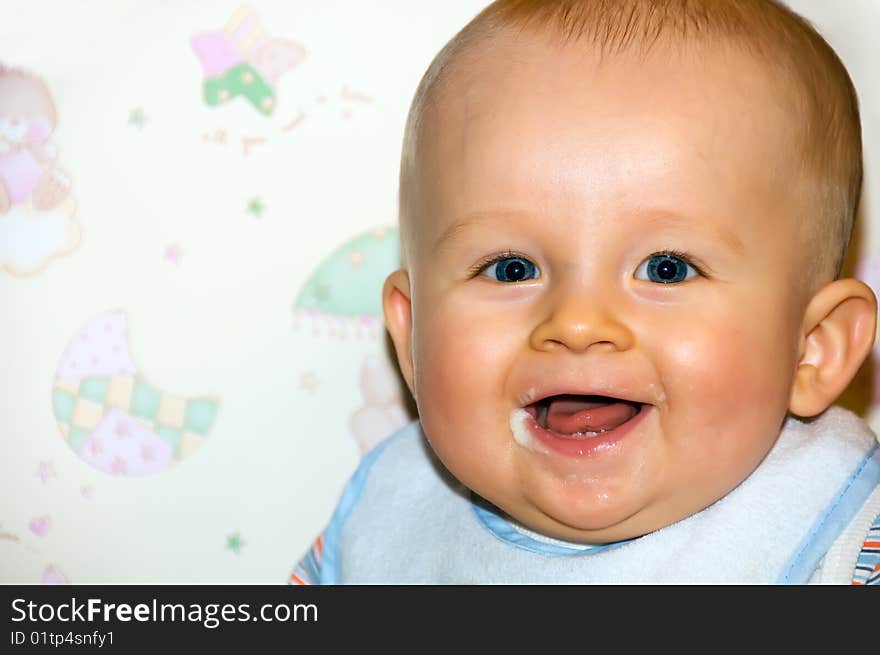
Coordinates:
[573,506]
[584,520]
[592,526]
[583,530]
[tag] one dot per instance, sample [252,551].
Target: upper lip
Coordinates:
[539,392]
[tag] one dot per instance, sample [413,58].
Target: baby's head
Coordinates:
[623,225]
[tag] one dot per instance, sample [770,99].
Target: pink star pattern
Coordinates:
[39,526]
[118,467]
[173,254]
[121,430]
[45,471]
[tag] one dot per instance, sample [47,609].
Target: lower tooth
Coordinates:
[581,435]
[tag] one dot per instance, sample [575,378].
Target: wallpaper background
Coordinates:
[191,255]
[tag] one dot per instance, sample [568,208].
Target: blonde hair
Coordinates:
[826,100]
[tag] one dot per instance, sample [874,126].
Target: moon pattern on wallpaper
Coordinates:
[111,416]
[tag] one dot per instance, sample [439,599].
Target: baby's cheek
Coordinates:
[737,352]
[453,416]
[727,385]
[460,383]
[454,361]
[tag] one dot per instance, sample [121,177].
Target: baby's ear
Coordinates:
[838,332]
[397,307]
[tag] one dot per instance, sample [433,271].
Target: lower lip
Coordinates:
[585,446]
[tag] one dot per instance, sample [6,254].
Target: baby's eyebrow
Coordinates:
[450,233]
[665,217]
[457,227]
[647,216]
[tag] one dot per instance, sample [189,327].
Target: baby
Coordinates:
[620,310]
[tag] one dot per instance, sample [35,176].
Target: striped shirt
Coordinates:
[868,563]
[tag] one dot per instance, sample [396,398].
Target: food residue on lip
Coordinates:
[518,419]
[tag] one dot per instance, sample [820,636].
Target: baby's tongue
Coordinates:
[570,414]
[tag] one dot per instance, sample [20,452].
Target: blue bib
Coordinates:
[403,519]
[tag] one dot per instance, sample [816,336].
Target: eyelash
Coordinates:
[483,264]
[683,256]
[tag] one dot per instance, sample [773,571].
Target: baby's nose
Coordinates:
[580,323]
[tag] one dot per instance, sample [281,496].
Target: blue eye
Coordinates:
[666,268]
[511,269]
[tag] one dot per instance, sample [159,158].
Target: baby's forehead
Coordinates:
[528,93]
[539,126]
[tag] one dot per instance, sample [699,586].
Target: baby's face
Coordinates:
[621,241]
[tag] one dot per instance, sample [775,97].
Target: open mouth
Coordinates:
[571,416]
